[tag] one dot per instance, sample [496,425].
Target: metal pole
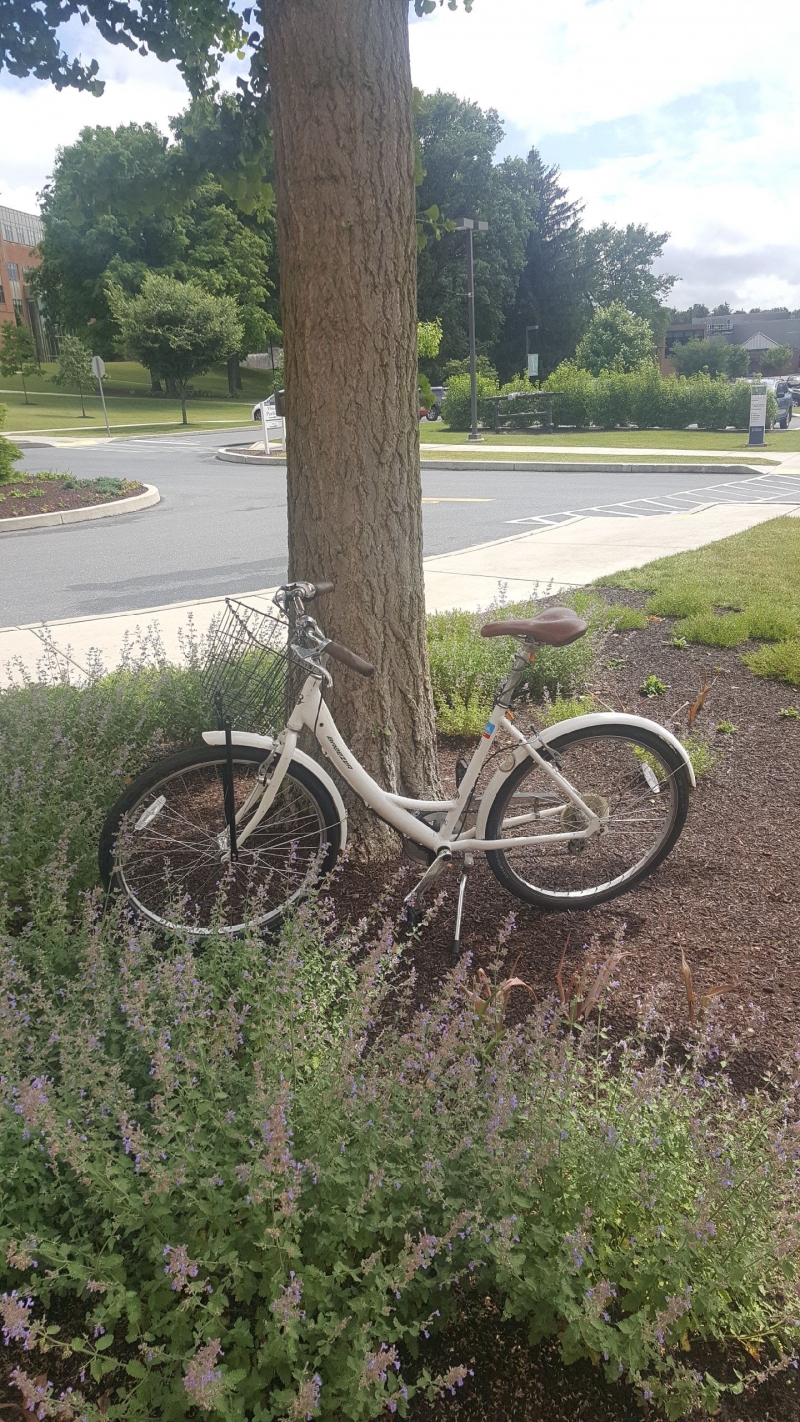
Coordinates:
[473,371]
[103,398]
[264,426]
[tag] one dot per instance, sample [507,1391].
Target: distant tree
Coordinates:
[458,142]
[9,453]
[176,329]
[777,361]
[684,317]
[429,339]
[551,292]
[715,356]
[109,207]
[738,362]
[124,202]
[615,340]
[723,310]
[619,263]
[17,353]
[75,366]
[229,255]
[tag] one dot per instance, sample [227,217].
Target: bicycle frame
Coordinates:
[400,811]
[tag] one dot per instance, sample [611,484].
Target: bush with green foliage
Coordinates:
[9,453]
[642,397]
[615,340]
[715,356]
[457,407]
[777,361]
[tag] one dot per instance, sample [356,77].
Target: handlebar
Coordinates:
[349,659]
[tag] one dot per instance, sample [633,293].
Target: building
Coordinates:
[757,333]
[20,235]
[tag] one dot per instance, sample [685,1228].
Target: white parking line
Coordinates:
[769,488]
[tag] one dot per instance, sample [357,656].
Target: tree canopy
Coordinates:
[615,340]
[715,356]
[120,204]
[177,329]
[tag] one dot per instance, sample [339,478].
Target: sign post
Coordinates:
[533,357]
[264,426]
[758,412]
[98,371]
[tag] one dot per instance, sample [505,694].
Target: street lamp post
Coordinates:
[469,225]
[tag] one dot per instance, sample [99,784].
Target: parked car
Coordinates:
[785,398]
[793,382]
[434,411]
[270,404]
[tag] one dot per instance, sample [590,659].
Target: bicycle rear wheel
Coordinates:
[160,845]
[635,781]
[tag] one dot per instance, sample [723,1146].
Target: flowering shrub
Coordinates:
[250,1178]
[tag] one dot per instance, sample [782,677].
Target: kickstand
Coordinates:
[469,860]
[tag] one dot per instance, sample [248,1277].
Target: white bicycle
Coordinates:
[227,835]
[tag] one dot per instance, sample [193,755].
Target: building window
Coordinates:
[2,295]
[13,271]
[24,228]
[25,270]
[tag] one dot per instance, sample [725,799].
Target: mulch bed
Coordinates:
[51,496]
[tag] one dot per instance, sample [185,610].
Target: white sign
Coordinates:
[98,367]
[758,412]
[533,364]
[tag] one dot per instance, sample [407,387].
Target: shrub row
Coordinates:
[640,397]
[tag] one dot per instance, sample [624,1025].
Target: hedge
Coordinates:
[639,397]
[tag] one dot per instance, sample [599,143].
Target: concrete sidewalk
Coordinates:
[537,562]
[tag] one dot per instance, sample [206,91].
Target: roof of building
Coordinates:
[24,228]
[760,342]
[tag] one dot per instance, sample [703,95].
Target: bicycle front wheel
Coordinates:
[633,780]
[163,843]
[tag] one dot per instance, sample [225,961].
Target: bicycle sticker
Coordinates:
[489,730]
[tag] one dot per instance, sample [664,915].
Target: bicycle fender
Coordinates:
[265,743]
[551,733]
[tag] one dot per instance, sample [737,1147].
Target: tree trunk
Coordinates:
[341,112]
[234,378]
[83,407]
[155,384]
[183,401]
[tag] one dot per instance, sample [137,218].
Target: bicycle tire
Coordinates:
[150,876]
[644,744]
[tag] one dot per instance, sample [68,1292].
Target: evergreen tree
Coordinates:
[551,291]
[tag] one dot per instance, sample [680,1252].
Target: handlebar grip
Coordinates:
[322,588]
[349,659]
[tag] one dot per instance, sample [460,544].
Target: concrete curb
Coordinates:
[61,516]
[591,467]
[238,454]
[234,454]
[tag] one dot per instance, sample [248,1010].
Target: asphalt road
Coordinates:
[221,528]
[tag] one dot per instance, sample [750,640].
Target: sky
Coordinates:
[683,116]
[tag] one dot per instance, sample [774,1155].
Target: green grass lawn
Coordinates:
[778,441]
[55,410]
[741,589]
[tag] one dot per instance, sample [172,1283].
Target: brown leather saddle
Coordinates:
[555,627]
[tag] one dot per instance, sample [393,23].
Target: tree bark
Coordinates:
[234,378]
[341,111]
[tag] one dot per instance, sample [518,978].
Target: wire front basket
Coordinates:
[245,673]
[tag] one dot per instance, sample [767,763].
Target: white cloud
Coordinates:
[725,186]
